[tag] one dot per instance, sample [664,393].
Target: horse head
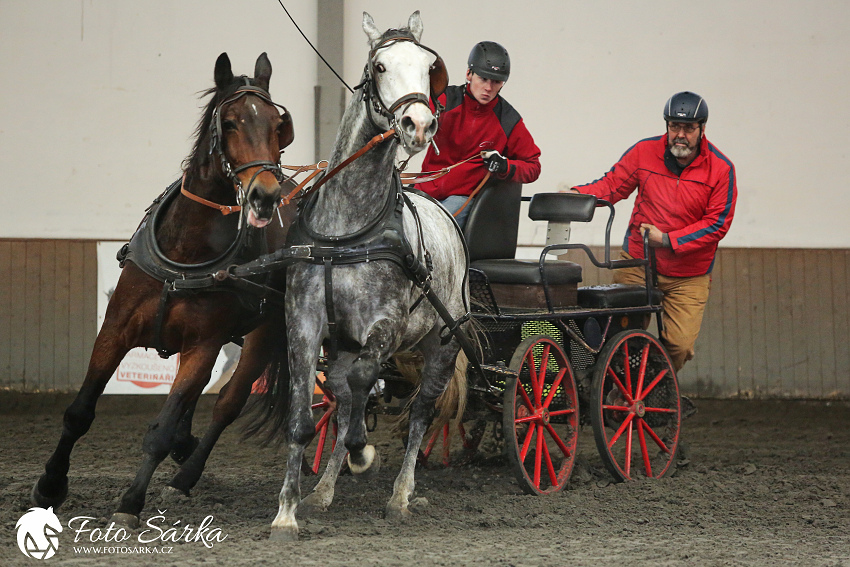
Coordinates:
[249,131]
[403,73]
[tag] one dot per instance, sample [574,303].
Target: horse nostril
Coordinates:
[408,124]
[432,127]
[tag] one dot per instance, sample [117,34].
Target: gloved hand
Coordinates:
[496,162]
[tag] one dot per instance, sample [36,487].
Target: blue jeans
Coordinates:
[453,202]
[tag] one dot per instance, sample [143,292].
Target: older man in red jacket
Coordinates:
[686,200]
[477,119]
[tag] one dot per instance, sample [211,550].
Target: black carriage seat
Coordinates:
[573,207]
[491,234]
[613,296]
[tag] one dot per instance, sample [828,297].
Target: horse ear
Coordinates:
[372,31]
[223,72]
[414,24]
[263,71]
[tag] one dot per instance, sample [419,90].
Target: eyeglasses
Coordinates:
[682,127]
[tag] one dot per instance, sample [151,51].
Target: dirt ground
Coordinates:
[761,483]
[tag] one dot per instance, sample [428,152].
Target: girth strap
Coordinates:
[160,320]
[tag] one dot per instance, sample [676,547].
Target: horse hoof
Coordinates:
[314,502]
[284,535]
[183,451]
[371,462]
[397,514]
[122,520]
[42,500]
[171,495]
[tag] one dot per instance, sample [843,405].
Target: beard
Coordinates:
[682,151]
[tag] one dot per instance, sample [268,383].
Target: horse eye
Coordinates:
[228,125]
[380,68]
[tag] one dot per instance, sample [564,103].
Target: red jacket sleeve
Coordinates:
[718,216]
[523,156]
[620,181]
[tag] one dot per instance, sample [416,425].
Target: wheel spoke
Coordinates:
[659,410]
[562,412]
[643,448]
[644,357]
[320,445]
[616,408]
[526,400]
[553,478]
[430,446]
[555,385]
[541,373]
[623,427]
[657,439]
[620,386]
[533,377]
[629,449]
[538,456]
[654,383]
[529,435]
[323,421]
[558,441]
[627,370]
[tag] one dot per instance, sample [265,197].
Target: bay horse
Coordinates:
[166,298]
[355,293]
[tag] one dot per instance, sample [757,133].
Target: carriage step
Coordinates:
[498,369]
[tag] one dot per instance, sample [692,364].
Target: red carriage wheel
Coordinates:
[540,416]
[635,407]
[325,411]
[467,438]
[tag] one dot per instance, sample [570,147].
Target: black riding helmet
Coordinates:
[686,107]
[490,60]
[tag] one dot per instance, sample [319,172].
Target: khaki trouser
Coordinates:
[682,307]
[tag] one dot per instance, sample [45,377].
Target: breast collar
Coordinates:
[383,238]
[143,250]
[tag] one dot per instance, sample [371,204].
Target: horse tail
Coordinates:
[268,411]
[451,404]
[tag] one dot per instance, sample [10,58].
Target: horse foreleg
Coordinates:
[303,353]
[184,442]
[323,493]
[195,368]
[261,346]
[438,369]
[51,489]
[381,342]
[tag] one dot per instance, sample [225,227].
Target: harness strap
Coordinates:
[160,319]
[333,333]
[383,136]
[472,195]
[223,209]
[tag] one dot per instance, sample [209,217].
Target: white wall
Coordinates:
[100,101]
[591,78]
[99,96]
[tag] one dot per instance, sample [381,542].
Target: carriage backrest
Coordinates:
[562,207]
[493,221]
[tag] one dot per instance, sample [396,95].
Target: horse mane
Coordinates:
[200,156]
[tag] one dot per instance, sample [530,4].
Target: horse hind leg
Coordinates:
[51,488]
[438,370]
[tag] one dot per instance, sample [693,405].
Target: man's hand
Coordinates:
[496,162]
[657,239]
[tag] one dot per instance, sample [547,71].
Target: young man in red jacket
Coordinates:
[686,200]
[476,118]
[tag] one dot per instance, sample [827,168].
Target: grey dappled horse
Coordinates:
[372,301]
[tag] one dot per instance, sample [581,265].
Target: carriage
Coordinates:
[554,355]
